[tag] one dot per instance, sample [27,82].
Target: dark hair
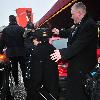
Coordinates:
[12,18]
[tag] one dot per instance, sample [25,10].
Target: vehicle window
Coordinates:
[60,43]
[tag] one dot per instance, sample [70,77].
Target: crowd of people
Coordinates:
[38,58]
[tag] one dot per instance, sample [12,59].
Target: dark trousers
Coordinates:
[75,85]
[4,83]
[45,75]
[14,63]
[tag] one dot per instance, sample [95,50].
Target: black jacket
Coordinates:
[44,70]
[12,38]
[81,52]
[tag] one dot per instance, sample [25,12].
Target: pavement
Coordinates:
[18,92]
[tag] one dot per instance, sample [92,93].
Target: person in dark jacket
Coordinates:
[12,39]
[30,29]
[43,70]
[81,51]
[29,46]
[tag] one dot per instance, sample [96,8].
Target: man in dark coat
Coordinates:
[12,39]
[81,51]
[29,30]
[44,71]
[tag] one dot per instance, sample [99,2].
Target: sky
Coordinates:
[39,8]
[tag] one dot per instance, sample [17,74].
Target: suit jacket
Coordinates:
[81,53]
[12,38]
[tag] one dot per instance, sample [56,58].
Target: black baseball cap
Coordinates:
[12,18]
[41,33]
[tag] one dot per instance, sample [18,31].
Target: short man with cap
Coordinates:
[43,70]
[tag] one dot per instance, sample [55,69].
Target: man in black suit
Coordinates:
[81,50]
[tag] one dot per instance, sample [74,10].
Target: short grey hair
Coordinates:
[80,5]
